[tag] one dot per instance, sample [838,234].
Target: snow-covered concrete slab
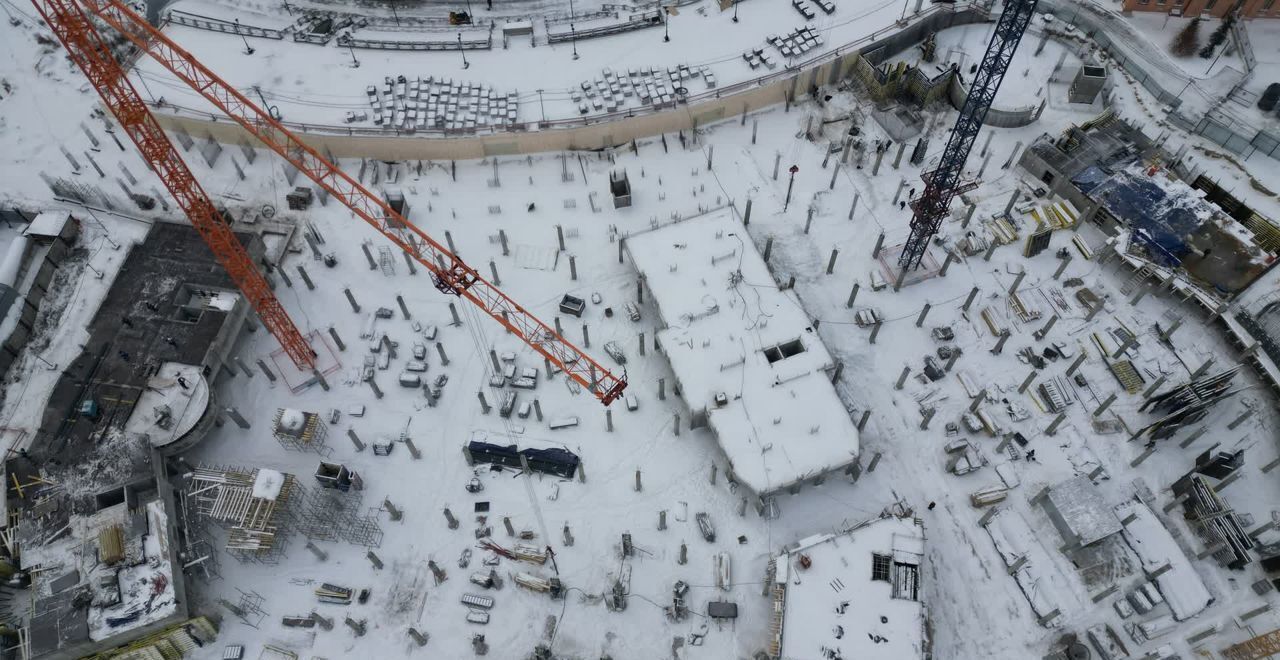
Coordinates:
[146,588]
[1078,510]
[857,591]
[1046,588]
[1179,583]
[744,353]
[176,397]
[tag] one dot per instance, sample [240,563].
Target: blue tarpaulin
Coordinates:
[1089,178]
[1162,222]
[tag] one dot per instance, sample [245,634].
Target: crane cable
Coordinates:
[481,343]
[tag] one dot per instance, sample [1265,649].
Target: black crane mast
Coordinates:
[943,183]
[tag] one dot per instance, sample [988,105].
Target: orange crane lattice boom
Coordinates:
[88,50]
[70,23]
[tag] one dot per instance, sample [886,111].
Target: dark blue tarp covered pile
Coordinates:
[1161,222]
[560,462]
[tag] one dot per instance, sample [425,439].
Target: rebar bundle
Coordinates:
[1187,403]
[1216,522]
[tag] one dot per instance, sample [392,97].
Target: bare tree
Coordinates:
[1188,40]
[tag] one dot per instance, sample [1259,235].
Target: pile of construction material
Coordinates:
[1187,404]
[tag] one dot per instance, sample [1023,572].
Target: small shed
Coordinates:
[336,475]
[1088,82]
[1078,511]
[50,226]
[620,188]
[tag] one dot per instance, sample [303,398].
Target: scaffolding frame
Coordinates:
[312,438]
[197,553]
[257,527]
[333,515]
[249,608]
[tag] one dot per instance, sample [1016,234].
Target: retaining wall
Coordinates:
[40,264]
[602,131]
[1015,118]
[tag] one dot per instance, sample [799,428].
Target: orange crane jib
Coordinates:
[70,22]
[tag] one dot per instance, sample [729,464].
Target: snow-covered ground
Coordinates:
[1161,30]
[676,470]
[543,77]
[966,585]
[744,362]
[963,46]
[1216,77]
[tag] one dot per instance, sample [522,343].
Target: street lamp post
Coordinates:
[666,18]
[248,50]
[735,11]
[393,12]
[355,64]
[272,110]
[790,184]
[573,34]
[465,63]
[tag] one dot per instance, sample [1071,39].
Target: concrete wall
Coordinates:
[1012,118]
[583,137]
[1061,186]
[47,261]
[212,414]
[179,579]
[17,340]
[901,81]
[593,132]
[219,351]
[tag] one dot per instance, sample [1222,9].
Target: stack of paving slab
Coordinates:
[646,86]
[440,103]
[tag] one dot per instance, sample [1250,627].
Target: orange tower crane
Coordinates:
[71,21]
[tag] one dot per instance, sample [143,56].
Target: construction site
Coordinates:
[816,330]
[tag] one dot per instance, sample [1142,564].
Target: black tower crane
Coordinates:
[943,184]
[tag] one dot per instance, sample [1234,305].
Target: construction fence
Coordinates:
[1218,128]
[1098,24]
